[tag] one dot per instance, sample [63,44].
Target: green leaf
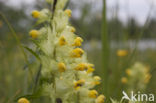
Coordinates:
[35,95]
[32,52]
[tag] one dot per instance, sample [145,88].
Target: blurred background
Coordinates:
[131,26]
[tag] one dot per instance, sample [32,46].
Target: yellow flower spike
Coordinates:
[61,67]
[68,12]
[23,100]
[124,80]
[73,29]
[77,52]
[34,33]
[78,41]
[62,41]
[100,99]
[122,53]
[35,14]
[79,84]
[147,78]
[128,72]
[81,67]
[92,93]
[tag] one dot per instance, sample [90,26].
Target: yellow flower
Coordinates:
[78,41]
[68,12]
[128,72]
[23,100]
[79,84]
[77,52]
[97,80]
[35,14]
[73,29]
[147,77]
[92,93]
[122,53]
[61,67]
[34,33]
[90,68]
[124,80]
[100,99]
[81,67]
[62,41]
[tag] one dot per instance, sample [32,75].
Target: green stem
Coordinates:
[18,42]
[105,50]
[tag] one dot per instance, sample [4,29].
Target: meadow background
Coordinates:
[131,25]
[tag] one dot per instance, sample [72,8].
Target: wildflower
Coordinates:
[77,52]
[92,93]
[62,41]
[122,53]
[81,67]
[79,84]
[124,80]
[78,41]
[35,14]
[23,100]
[128,72]
[73,29]
[68,12]
[100,99]
[97,80]
[34,33]
[61,67]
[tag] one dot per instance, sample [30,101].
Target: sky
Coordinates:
[127,8]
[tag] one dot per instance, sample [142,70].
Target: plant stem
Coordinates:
[105,50]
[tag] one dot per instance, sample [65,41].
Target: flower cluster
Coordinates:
[137,77]
[64,62]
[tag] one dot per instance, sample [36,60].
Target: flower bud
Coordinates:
[35,14]
[77,52]
[68,12]
[62,41]
[92,93]
[61,67]
[34,33]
